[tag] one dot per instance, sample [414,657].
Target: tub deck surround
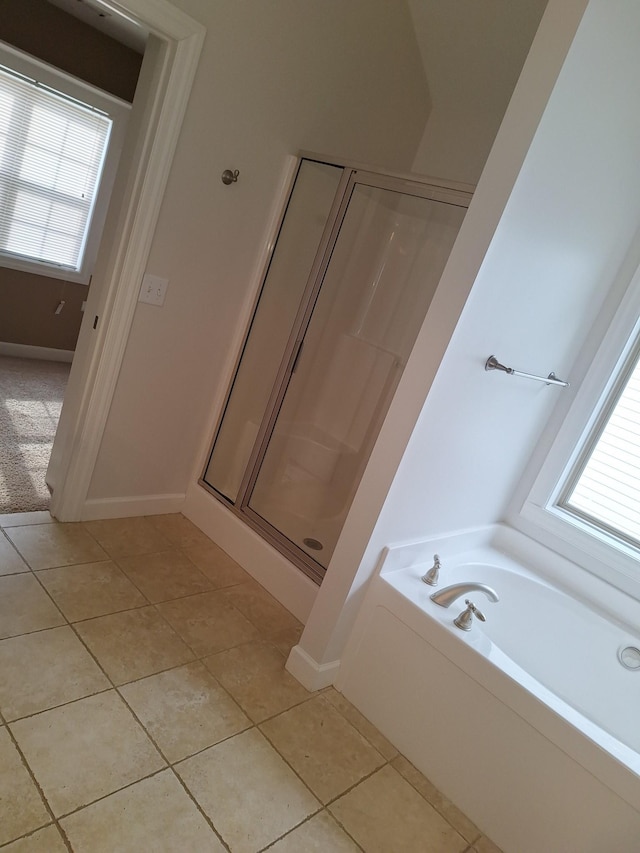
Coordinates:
[533,703]
[545,641]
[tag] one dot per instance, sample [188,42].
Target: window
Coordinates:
[59,145]
[605,488]
[585,499]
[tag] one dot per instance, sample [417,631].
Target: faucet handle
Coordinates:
[465,620]
[431,577]
[477,613]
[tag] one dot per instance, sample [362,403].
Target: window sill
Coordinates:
[46,270]
[589,549]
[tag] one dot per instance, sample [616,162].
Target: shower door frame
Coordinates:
[435,190]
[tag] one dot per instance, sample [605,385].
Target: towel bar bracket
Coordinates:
[492,363]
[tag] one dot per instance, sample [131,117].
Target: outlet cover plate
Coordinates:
[153,289]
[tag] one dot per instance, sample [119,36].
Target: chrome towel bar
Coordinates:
[492,363]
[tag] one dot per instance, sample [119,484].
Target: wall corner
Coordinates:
[311,674]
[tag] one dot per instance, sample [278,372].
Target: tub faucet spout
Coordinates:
[448,594]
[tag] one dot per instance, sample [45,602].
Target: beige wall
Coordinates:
[473,53]
[28,305]
[47,32]
[339,78]
[28,302]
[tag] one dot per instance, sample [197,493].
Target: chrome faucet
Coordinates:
[448,594]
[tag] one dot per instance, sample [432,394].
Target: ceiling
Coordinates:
[101,17]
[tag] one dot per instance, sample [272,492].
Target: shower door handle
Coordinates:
[297,357]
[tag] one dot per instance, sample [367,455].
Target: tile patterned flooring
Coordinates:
[145,707]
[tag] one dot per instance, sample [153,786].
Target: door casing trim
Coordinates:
[94,377]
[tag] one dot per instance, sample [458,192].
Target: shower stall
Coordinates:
[355,265]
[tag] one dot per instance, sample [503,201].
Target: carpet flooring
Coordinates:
[31,393]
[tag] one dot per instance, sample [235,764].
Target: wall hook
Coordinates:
[230,177]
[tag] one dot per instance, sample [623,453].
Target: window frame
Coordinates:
[606,365]
[118,110]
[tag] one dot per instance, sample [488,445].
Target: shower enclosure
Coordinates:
[356,263]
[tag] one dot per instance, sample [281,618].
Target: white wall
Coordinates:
[476,429]
[472,53]
[334,77]
[565,234]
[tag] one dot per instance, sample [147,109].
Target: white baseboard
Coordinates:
[101,508]
[310,673]
[293,589]
[44,353]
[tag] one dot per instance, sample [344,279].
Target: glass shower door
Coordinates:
[279,304]
[382,274]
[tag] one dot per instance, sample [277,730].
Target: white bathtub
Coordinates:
[529,722]
[551,644]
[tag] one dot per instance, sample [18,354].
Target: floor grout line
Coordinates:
[198,659]
[433,805]
[309,818]
[199,808]
[11,722]
[34,780]
[111,793]
[253,725]
[115,687]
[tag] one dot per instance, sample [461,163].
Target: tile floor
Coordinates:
[145,707]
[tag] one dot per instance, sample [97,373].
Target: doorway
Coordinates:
[357,261]
[161,98]
[63,120]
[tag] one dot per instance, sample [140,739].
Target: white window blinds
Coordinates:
[607,491]
[52,149]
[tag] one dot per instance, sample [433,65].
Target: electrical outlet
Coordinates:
[153,289]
